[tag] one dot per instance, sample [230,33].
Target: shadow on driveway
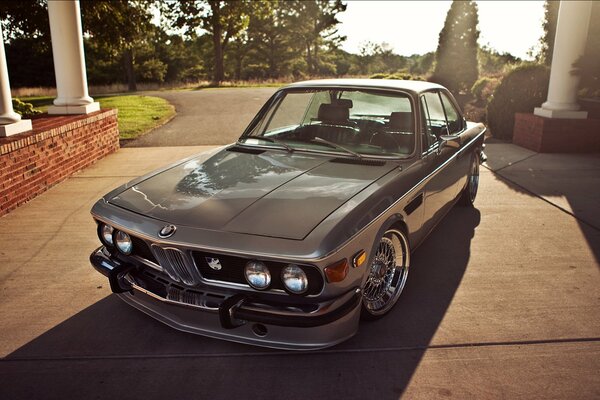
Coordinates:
[111,349]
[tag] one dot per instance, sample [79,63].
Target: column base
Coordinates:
[23,125]
[88,108]
[564,114]
[548,135]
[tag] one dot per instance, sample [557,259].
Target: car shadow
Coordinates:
[111,349]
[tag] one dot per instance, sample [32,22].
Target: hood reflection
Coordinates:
[226,170]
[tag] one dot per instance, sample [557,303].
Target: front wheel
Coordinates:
[470,191]
[387,275]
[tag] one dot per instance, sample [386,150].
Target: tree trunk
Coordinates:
[219,74]
[316,58]
[128,59]
[239,60]
[308,58]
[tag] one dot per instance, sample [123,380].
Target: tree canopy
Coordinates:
[131,41]
[456,56]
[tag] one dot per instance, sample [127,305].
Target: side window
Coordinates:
[452,115]
[425,129]
[435,119]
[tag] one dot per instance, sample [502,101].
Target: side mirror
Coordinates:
[450,141]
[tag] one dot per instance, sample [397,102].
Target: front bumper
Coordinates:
[233,316]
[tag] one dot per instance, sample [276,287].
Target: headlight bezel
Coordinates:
[258,264]
[116,241]
[303,277]
[101,236]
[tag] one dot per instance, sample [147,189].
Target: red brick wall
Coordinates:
[33,161]
[555,135]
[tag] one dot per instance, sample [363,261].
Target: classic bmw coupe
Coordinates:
[304,226]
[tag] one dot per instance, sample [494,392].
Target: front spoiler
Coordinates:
[236,317]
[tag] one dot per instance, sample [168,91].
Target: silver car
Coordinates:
[290,236]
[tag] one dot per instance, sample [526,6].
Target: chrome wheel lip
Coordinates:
[474,179]
[379,294]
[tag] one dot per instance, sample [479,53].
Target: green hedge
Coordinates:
[24,109]
[521,90]
[397,75]
[484,87]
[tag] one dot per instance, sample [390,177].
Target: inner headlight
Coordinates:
[294,279]
[106,234]
[257,275]
[123,242]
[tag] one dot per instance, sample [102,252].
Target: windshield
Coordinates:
[355,122]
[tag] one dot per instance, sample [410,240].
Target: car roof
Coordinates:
[411,86]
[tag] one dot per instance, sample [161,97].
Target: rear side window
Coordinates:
[434,119]
[454,120]
[435,110]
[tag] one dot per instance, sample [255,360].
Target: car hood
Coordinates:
[268,193]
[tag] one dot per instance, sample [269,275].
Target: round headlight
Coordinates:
[294,279]
[257,275]
[106,234]
[123,242]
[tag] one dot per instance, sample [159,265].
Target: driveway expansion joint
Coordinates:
[290,353]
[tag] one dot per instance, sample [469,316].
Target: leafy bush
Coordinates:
[397,75]
[484,88]
[24,109]
[521,90]
[380,76]
[152,70]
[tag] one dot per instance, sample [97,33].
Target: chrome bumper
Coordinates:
[239,317]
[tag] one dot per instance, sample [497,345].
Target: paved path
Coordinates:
[208,116]
[503,301]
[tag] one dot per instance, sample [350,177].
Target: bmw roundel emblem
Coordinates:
[167,230]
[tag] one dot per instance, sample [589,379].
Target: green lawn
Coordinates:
[137,114]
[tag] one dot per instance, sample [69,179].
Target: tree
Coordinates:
[314,24]
[117,27]
[26,32]
[112,29]
[270,42]
[549,25]
[492,62]
[421,64]
[223,20]
[456,55]
[24,19]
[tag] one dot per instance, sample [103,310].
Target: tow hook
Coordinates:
[117,281]
[227,310]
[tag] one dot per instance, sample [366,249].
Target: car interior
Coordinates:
[394,133]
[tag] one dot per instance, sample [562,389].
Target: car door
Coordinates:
[439,160]
[455,127]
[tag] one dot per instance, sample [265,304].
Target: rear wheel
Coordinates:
[470,191]
[387,275]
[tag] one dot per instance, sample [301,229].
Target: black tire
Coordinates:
[387,275]
[469,193]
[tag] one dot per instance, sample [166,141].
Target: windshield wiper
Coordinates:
[336,146]
[271,140]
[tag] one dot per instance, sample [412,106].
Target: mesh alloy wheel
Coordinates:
[387,275]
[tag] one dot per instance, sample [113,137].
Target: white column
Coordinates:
[69,60]
[569,45]
[10,122]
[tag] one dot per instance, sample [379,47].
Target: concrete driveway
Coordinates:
[206,117]
[503,301]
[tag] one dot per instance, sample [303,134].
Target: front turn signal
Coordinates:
[359,259]
[337,272]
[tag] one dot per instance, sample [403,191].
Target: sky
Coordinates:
[413,27]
